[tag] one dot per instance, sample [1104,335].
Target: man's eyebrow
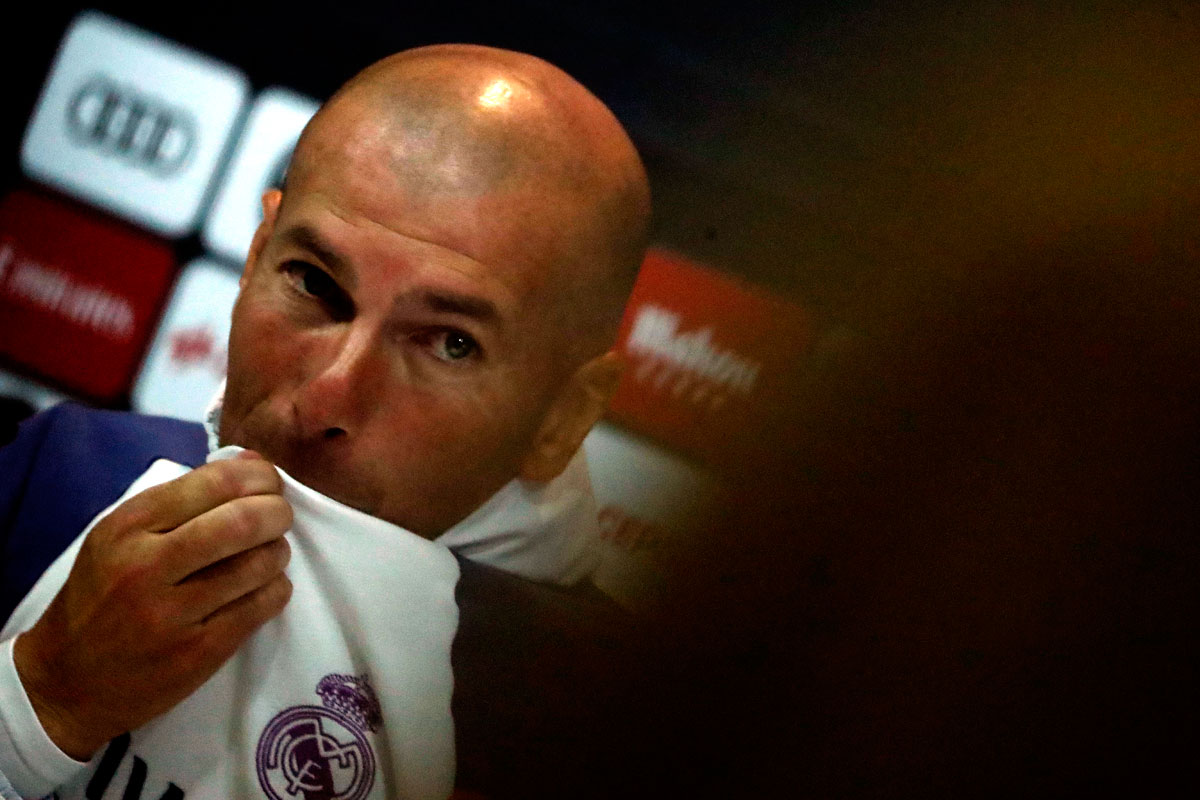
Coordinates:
[308,238]
[446,302]
[442,301]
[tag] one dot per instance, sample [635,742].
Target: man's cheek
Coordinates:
[443,422]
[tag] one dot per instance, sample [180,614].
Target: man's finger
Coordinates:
[231,528]
[227,627]
[219,584]
[171,504]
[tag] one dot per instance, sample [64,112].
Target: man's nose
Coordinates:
[344,385]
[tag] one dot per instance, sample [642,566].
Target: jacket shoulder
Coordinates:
[547,701]
[65,465]
[89,432]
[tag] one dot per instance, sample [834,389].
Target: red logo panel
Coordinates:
[78,295]
[708,358]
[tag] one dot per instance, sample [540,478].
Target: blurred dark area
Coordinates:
[963,561]
[12,411]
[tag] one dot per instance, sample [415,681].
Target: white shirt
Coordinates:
[351,574]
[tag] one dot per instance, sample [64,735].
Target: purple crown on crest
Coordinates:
[353,697]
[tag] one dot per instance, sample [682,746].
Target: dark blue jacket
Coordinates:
[63,468]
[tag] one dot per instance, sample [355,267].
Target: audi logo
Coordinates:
[131,126]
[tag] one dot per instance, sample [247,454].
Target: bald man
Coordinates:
[425,322]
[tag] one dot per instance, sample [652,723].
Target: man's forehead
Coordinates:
[514,233]
[423,249]
[490,141]
[446,196]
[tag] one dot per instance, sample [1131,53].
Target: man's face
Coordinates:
[387,347]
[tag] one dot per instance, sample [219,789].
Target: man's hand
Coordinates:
[163,592]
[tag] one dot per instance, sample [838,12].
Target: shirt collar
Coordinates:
[540,531]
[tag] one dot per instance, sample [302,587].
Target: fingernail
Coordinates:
[249,454]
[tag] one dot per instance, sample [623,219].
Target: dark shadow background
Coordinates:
[963,561]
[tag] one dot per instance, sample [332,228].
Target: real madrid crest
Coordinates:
[322,752]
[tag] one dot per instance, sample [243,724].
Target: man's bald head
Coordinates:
[427,311]
[466,122]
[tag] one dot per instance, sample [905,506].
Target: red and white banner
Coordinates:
[709,358]
[78,295]
[186,361]
[709,364]
[653,506]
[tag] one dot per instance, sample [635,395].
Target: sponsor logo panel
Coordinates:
[78,295]
[262,156]
[708,357]
[35,394]
[133,123]
[653,504]
[186,362]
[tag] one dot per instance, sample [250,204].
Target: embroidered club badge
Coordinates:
[322,752]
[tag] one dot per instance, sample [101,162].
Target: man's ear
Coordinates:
[577,408]
[271,200]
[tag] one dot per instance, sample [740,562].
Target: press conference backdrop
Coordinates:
[971,574]
[137,144]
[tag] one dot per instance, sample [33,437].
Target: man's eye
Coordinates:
[453,346]
[311,280]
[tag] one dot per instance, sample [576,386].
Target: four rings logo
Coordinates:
[131,125]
